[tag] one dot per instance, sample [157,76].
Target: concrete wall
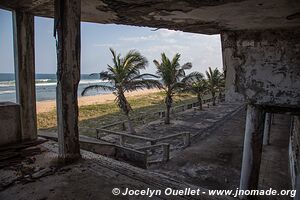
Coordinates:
[262,67]
[102,149]
[131,156]
[10,123]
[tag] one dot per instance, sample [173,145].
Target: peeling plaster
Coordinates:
[205,16]
[263,68]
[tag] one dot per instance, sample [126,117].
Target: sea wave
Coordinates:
[49,82]
[7,83]
[92,81]
[7,92]
[44,80]
[45,84]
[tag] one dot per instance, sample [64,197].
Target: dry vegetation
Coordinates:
[93,116]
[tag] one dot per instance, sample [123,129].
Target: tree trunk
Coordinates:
[130,125]
[126,108]
[167,119]
[200,102]
[214,99]
[168,102]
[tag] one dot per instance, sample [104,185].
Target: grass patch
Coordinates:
[93,116]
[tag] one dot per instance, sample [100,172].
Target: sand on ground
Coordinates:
[46,106]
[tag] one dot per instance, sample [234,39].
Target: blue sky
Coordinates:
[202,50]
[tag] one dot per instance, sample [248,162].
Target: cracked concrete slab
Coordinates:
[208,17]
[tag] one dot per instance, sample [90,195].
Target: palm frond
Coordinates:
[114,59]
[175,59]
[170,71]
[132,63]
[94,74]
[193,77]
[215,80]
[187,65]
[142,84]
[134,60]
[145,75]
[93,87]
[156,63]
[179,74]
[105,75]
[177,85]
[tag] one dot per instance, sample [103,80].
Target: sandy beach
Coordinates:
[46,106]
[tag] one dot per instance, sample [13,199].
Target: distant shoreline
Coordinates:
[50,105]
[46,88]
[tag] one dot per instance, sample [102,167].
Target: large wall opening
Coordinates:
[7,77]
[202,51]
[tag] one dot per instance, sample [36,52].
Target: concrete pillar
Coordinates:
[186,139]
[23,33]
[166,152]
[267,129]
[122,140]
[273,119]
[252,148]
[67,30]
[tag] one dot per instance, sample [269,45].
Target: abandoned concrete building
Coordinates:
[261,56]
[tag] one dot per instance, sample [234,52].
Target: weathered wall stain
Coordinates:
[263,67]
[205,16]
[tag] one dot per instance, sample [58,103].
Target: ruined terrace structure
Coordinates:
[261,56]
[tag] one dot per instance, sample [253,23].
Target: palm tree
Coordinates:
[171,73]
[196,84]
[124,76]
[215,81]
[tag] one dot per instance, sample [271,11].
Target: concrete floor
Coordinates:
[91,178]
[214,162]
[211,162]
[275,163]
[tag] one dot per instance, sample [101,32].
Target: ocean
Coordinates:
[45,86]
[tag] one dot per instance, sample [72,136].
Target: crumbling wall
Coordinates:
[262,67]
[294,156]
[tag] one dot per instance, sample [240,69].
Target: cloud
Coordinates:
[168,33]
[202,50]
[139,39]
[106,45]
[161,35]
[168,49]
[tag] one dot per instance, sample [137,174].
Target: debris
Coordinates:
[15,154]
[23,145]
[42,173]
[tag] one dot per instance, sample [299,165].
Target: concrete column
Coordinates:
[166,152]
[122,140]
[267,129]
[273,119]
[23,33]
[186,139]
[67,30]
[252,148]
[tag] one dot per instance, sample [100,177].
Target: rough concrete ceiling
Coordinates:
[198,16]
